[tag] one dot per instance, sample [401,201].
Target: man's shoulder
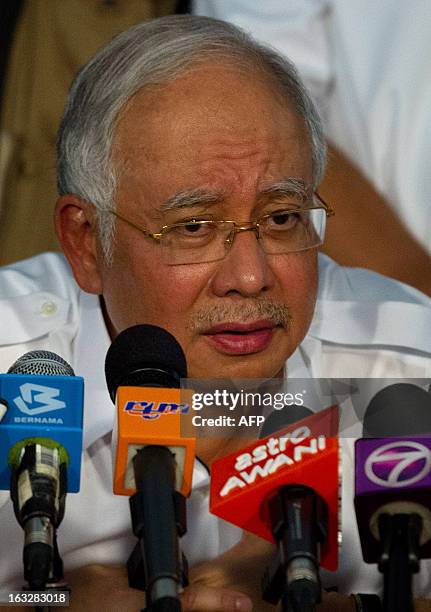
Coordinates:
[340,283]
[358,307]
[38,296]
[44,272]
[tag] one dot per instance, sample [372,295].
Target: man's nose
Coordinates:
[245,269]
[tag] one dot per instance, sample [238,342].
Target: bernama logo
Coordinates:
[39,420]
[38,399]
[154,410]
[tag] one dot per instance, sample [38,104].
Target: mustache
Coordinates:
[244,312]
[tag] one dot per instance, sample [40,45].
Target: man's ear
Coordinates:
[75,224]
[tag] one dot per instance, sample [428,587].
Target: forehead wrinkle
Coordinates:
[189,198]
[229,147]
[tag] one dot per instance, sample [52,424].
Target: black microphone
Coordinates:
[148,460]
[393,488]
[144,356]
[279,419]
[401,409]
[299,519]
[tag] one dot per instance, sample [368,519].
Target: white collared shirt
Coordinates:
[365,326]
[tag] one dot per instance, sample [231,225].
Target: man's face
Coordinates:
[230,136]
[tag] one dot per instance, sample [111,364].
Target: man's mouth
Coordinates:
[241,338]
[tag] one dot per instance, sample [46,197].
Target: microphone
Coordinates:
[392,488]
[154,460]
[274,489]
[40,454]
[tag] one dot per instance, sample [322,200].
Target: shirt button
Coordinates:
[48,308]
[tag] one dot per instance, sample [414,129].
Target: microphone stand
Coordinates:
[39,513]
[158,513]
[56,582]
[400,534]
[299,520]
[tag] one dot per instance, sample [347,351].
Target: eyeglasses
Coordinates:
[287,230]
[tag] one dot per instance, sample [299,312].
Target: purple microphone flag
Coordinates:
[392,475]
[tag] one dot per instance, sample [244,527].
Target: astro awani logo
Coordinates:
[398,464]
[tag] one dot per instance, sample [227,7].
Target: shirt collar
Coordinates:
[90,348]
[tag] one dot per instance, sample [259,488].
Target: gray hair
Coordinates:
[155,52]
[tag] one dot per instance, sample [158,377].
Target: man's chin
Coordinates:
[264,364]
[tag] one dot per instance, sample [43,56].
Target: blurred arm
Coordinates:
[365,231]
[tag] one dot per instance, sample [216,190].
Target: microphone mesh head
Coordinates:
[401,409]
[41,363]
[280,419]
[144,347]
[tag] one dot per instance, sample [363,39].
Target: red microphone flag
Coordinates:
[303,453]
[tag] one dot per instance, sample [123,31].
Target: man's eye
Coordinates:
[194,229]
[283,219]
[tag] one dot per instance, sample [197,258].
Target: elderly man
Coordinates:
[188,161]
